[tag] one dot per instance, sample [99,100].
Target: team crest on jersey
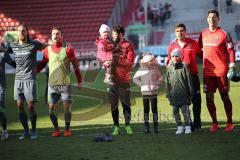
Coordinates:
[23,52]
[217,39]
[190,45]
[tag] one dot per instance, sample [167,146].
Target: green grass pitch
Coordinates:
[91,116]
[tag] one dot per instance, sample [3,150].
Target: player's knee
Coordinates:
[209,98]
[50,111]
[225,97]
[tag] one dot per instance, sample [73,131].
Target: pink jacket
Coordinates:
[148,79]
[104,49]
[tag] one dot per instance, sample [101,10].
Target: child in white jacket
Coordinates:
[148,77]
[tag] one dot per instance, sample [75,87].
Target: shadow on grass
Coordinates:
[138,128]
[139,146]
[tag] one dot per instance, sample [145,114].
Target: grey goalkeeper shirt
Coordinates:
[26,58]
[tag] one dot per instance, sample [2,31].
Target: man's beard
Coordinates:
[116,40]
[22,38]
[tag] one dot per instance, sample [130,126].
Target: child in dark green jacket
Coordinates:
[179,90]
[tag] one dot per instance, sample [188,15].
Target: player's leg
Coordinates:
[20,98]
[113,100]
[196,100]
[124,94]
[3,116]
[23,119]
[67,103]
[223,89]
[67,117]
[33,118]
[30,94]
[210,86]
[53,98]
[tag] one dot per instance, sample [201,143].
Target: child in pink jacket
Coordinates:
[148,77]
[105,51]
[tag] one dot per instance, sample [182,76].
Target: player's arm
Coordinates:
[200,44]
[231,52]
[169,54]
[230,48]
[71,56]
[168,85]
[44,61]
[6,49]
[9,60]
[2,49]
[188,77]
[40,46]
[198,50]
[127,60]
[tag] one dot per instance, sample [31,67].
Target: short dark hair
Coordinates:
[214,11]
[180,25]
[118,28]
[57,28]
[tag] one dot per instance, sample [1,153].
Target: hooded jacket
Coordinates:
[148,78]
[104,49]
[179,84]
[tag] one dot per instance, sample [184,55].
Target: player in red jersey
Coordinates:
[217,47]
[59,56]
[189,49]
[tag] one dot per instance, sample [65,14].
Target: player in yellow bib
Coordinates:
[59,56]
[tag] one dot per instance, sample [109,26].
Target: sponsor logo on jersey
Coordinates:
[205,44]
[23,52]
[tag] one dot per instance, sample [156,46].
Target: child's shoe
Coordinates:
[179,130]
[188,130]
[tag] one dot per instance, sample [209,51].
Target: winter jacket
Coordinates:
[104,49]
[179,84]
[148,78]
[123,59]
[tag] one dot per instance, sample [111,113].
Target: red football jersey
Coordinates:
[217,48]
[189,52]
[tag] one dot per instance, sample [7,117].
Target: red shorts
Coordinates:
[212,83]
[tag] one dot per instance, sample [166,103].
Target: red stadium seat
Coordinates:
[80,20]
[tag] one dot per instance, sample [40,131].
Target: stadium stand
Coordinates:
[80,20]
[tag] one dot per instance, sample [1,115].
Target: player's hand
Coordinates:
[107,63]
[235,77]
[2,49]
[231,71]
[79,85]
